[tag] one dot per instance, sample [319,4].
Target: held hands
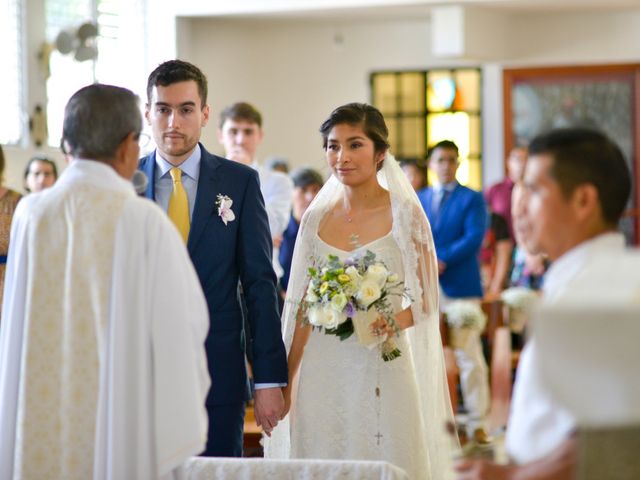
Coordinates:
[268,408]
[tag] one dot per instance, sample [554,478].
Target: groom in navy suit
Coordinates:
[217,206]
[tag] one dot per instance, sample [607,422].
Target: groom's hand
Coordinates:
[268,407]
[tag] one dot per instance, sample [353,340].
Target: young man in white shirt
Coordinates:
[576,187]
[240,133]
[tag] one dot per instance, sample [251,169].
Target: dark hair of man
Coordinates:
[97,119]
[583,156]
[445,145]
[175,71]
[303,177]
[43,159]
[241,111]
[358,114]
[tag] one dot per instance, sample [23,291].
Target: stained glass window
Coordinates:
[424,107]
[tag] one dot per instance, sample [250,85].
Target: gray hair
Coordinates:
[98,118]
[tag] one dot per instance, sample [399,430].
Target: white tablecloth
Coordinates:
[200,468]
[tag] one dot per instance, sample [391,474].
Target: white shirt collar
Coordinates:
[190,167]
[438,187]
[571,263]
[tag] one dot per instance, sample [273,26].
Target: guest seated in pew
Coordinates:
[576,186]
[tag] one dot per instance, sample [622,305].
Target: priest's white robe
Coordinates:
[103,370]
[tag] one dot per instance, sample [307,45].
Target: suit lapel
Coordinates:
[205,206]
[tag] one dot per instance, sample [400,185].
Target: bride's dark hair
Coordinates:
[361,114]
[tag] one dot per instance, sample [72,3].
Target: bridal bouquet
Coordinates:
[346,297]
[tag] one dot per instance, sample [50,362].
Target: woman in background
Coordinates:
[40,173]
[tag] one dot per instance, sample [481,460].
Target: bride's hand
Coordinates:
[381,327]
[286,392]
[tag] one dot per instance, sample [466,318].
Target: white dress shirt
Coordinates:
[537,425]
[277,190]
[190,174]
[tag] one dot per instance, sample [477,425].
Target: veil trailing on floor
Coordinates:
[412,233]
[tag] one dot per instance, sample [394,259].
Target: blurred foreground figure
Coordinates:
[102,365]
[576,186]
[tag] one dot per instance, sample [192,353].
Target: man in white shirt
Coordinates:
[240,133]
[576,187]
[103,371]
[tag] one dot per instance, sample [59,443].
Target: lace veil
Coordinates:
[412,233]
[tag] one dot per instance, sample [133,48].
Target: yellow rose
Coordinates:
[344,278]
[324,287]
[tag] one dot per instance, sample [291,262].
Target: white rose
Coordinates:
[339,301]
[368,293]
[326,317]
[333,318]
[311,297]
[393,278]
[377,273]
[316,316]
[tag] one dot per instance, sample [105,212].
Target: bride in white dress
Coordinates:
[345,401]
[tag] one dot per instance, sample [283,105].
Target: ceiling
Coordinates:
[378,9]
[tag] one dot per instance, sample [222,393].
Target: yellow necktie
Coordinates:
[179,204]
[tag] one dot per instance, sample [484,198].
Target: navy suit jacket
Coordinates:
[458,231]
[222,255]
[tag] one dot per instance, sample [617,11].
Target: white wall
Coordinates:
[295,74]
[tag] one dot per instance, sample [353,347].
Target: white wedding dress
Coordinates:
[337,414]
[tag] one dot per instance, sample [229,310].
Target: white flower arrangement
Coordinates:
[519,300]
[465,314]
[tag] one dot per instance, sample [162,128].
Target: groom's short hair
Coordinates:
[175,71]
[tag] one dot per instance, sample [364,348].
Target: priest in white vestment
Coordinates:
[102,364]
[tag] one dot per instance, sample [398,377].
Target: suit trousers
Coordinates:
[226,430]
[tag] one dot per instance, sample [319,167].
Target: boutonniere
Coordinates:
[224,208]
